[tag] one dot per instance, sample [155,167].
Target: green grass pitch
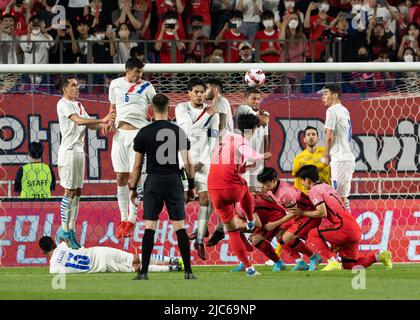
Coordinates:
[402,282]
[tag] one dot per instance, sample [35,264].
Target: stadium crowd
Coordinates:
[162,31]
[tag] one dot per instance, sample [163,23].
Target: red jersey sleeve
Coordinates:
[316,196]
[288,200]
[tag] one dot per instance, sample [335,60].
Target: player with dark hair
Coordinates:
[73,121]
[100,259]
[227,187]
[288,197]
[130,97]
[342,233]
[201,124]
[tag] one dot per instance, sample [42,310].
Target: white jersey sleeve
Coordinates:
[185,120]
[330,120]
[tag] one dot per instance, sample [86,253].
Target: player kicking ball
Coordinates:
[343,232]
[227,187]
[63,259]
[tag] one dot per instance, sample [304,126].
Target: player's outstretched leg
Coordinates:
[322,248]
[265,247]
[239,250]
[385,257]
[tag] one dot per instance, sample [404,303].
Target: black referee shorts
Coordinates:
[165,189]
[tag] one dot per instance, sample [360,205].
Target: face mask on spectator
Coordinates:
[408,58]
[324,7]
[289,4]
[36,32]
[268,23]
[123,33]
[100,36]
[293,24]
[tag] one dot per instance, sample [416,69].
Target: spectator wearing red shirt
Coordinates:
[316,25]
[199,8]
[199,49]
[164,6]
[21,13]
[267,40]
[231,36]
[168,37]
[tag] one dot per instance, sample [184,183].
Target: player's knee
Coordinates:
[287,237]
[122,179]
[203,200]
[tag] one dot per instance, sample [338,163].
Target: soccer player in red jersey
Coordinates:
[343,232]
[226,186]
[288,197]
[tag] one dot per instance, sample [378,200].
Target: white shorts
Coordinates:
[201,178]
[71,169]
[341,176]
[115,260]
[200,187]
[122,153]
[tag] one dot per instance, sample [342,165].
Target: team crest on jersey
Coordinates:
[315,201]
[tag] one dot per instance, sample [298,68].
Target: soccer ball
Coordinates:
[255,77]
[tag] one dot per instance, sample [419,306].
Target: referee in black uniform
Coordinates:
[161,141]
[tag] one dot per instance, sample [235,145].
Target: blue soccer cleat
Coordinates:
[314,261]
[279,266]
[239,268]
[65,236]
[300,266]
[74,244]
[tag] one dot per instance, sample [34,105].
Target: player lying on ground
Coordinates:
[260,237]
[288,197]
[226,186]
[63,259]
[342,233]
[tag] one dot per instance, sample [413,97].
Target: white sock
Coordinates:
[123,197]
[332,259]
[202,223]
[65,208]
[153,268]
[133,212]
[74,212]
[159,259]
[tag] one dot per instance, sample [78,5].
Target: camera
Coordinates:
[170,25]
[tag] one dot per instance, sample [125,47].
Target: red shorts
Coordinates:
[224,200]
[300,226]
[343,239]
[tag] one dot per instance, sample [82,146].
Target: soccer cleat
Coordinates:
[279,266]
[120,230]
[300,266]
[217,236]
[189,276]
[239,268]
[314,262]
[200,250]
[193,235]
[141,276]
[127,232]
[65,236]
[251,272]
[386,259]
[179,263]
[332,266]
[74,244]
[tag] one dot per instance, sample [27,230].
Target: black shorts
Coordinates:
[165,189]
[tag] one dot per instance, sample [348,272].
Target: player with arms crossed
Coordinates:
[337,142]
[130,97]
[201,123]
[342,233]
[100,259]
[226,186]
[288,197]
[73,121]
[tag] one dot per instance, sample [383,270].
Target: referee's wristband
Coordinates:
[191,183]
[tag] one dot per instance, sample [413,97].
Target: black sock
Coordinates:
[184,247]
[146,249]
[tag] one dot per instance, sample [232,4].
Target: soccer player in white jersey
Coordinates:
[260,140]
[337,142]
[64,259]
[201,123]
[130,97]
[73,121]
[214,93]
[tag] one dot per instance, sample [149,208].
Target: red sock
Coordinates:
[291,251]
[268,250]
[238,247]
[362,261]
[302,248]
[248,246]
[318,245]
